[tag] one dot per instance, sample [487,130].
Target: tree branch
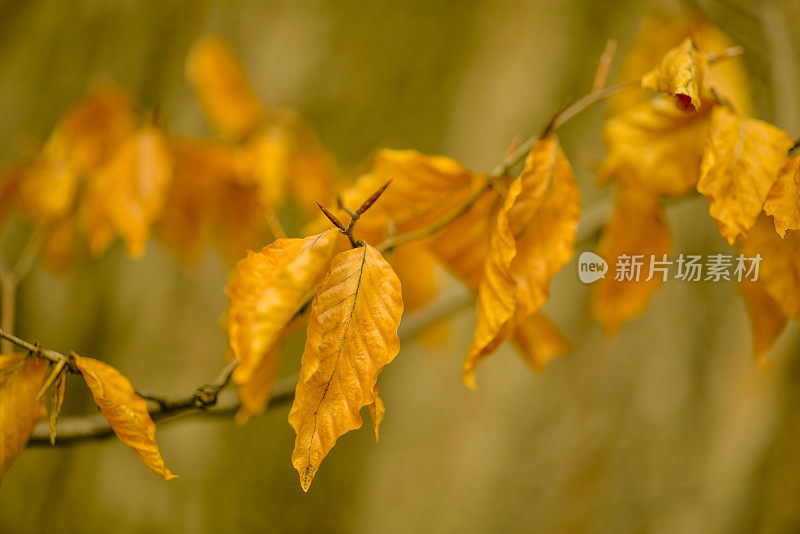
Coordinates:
[206,398]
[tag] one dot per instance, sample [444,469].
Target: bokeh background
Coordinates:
[668,427]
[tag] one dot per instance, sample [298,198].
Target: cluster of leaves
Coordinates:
[107,170]
[710,144]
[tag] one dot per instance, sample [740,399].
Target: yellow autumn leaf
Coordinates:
[637,226]
[208,201]
[377,410]
[534,237]
[125,411]
[463,244]
[82,141]
[655,146]
[21,378]
[424,189]
[680,74]
[127,195]
[221,84]
[767,321]
[539,341]
[783,200]
[416,268]
[740,164]
[264,294]
[198,169]
[658,35]
[779,269]
[255,391]
[56,401]
[352,334]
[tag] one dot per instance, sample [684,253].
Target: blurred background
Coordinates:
[669,427]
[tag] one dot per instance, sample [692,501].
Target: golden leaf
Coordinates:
[779,269]
[377,410]
[56,401]
[740,164]
[415,267]
[352,334]
[637,226]
[79,144]
[128,194]
[209,200]
[655,146]
[463,244]
[20,410]
[199,169]
[424,189]
[125,410]
[264,295]
[783,200]
[658,35]
[767,321]
[255,392]
[680,74]
[223,89]
[533,239]
[539,341]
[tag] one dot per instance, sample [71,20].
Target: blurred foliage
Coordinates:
[667,428]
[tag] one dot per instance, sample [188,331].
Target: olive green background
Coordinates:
[669,427]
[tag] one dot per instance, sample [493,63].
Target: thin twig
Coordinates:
[205,399]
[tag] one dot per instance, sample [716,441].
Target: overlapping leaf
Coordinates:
[658,35]
[352,334]
[223,89]
[265,293]
[779,269]
[424,189]
[80,143]
[125,410]
[681,74]
[20,410]
[767,321]
[463,244]
[533,239]
[740,164]
[127,195]
[655,146]
[539,341]
[783,200]
[637,227]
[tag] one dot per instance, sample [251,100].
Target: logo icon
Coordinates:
[591,267]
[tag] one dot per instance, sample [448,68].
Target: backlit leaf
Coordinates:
[129,192]
[655,146]
[20,410]
[767,321]
[352,334]
[223,89]
[658,35]
[463,244]
[740,163]
[779,269]
[80,143]
[264,294]
[424,189]
[680,74]
[637,226]
[125,411]
[539,341]
[783,200]
[533,239]
[56,401]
